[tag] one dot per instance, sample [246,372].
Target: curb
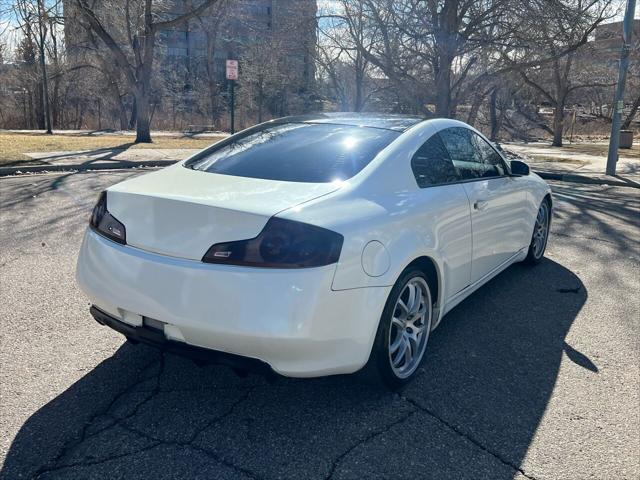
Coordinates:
[8,171]
[573,178]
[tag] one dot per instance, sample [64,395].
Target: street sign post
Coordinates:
[232,76]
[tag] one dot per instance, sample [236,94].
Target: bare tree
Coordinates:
[553,31]
[37,19]
[632,114]
[432,46]
[211,27]
[26,78]
[135,59]
[42,38]
[343,36]
[263,68]
[633,86]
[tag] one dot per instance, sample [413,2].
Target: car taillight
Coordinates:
[105,224]
[281,244]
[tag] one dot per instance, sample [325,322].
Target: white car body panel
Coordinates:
[460,296]
[310,321]
[160,207]
[290,319]
[497,222]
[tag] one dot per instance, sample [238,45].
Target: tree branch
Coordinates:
[119,56]
[169,24]
[589,85]
[533,84]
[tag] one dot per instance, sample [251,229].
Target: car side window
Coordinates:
[471,154]
[464,156]
[492,160]
[432,165]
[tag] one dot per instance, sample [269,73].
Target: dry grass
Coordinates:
[602,149]
[14,146]
[596,149]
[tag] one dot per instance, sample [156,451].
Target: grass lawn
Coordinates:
[14,146]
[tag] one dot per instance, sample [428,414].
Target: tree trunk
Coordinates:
[260,87]
[446,37]
[632,114]
[38,108]
[213,101]
[124,122]
[493,115]
[357,104]
[118,99]
[358,101]
[143,116]
[475,108]
[134,114]
[55,102]
[43,67]
[478,98]
[443,92]
[81,117]
[143,80]
[558,124]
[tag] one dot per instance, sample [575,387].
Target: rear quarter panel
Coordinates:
[384,203]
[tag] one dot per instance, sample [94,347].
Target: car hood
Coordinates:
[182,212]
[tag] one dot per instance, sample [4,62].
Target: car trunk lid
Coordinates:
[181,212]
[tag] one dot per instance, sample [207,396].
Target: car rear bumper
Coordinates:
[157,338]
[288,319]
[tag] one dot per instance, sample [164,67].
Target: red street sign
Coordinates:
[232,69]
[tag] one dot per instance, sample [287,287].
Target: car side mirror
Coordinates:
[519,168]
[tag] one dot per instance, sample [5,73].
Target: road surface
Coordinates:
[536,376]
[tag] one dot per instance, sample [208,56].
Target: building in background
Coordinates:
[598,61]
[233,28]
[274,40]
[608,36]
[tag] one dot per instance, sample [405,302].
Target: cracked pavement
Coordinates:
[535,376]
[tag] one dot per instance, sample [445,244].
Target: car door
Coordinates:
[497,201]
[443,216]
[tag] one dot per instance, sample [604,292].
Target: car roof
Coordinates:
[387,121]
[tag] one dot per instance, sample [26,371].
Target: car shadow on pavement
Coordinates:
[489,374]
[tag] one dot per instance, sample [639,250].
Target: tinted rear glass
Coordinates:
[297,152]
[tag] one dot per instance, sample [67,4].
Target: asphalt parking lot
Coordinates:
[535,376]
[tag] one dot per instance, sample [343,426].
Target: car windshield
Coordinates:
[297,152]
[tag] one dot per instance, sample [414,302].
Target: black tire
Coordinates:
[380,363]
[536,253]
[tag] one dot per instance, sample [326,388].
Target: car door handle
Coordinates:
[480,204]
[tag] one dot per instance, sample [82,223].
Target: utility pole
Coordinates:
[233,106]
[618,101]
[43,66]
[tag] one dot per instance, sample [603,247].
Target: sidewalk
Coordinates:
[549,162]
[561,164]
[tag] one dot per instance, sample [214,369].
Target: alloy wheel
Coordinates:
[540,231]
[410,327]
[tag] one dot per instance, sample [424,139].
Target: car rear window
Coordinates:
[296,152]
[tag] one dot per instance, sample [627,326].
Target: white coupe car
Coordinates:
[312,245]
